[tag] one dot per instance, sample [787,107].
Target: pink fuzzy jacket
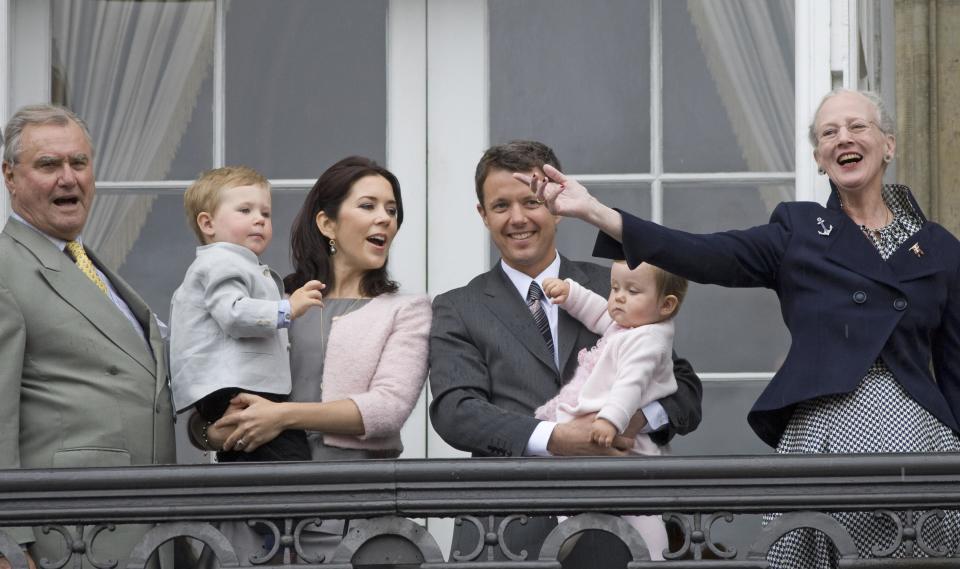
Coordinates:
[377,356]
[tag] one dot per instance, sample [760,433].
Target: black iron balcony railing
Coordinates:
[381,497]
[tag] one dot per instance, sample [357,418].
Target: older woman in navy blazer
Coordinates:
[869,289]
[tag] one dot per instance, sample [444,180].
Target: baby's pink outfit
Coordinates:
[627,369]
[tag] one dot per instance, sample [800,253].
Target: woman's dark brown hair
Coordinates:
[309,249]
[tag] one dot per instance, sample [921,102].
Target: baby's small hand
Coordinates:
[556,290]
[602,432]
[305,297]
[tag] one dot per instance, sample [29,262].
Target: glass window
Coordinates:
[305,84]
[139,74]
[722,329]
[728,91]
[575,75]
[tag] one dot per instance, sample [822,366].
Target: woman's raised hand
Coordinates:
[562,195]
[567,197]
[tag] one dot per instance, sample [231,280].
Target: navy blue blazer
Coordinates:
[842,303]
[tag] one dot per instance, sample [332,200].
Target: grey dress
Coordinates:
[308,339]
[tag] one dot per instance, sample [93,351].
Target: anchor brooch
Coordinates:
[824,230]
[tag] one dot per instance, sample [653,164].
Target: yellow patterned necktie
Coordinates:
[85,265]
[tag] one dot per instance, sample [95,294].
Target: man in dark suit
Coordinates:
[83,376]
[491,364]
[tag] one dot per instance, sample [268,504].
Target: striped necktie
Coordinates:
[534,296]
[85,265]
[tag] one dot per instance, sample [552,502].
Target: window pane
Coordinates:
[722,329]
[165,235]
[575,75]
[305,84]
[575,238]
[728,94]
[139,74]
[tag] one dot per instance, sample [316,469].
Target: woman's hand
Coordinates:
[254,421]
[567,197]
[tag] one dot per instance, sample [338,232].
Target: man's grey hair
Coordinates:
[37,115]
[886,123]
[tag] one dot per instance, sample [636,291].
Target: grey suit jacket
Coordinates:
[80,388]
[490,368]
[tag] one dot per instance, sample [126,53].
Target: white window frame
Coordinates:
[25,55]
[458,128]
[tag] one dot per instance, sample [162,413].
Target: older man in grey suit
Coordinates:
[83,376]
[492,362]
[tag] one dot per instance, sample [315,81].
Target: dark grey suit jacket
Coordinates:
[490,368]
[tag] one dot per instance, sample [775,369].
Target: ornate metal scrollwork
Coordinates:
[79,545]
[615,525]
[491,537]
[362,531]
[910,534]
[698,536]
[215,541]
[819,521]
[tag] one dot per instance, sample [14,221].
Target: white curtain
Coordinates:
[753,74]
[132,71]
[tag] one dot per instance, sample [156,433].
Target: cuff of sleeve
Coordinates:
[616,416]
[283,314]
[656,417]
[537,445]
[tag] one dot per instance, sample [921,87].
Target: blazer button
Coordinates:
[900,304]
[859,297]
[113,370]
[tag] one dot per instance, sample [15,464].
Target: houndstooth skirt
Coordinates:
[877,417]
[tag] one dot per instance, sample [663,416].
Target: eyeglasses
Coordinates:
[830,132]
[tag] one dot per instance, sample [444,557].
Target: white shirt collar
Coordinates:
[58,243]
[522,280]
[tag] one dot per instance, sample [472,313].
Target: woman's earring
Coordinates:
[333,247]
[887,158]
[821,171]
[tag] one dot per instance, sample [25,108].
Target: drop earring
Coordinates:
[333,247]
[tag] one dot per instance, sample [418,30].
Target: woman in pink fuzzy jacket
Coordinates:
[358,363]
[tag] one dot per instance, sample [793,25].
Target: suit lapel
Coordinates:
[850,248]
[144,317]
[505,303]
[78,291]
[917,257]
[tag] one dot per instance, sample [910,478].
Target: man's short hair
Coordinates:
[205,194]
[514,156]
[37,115]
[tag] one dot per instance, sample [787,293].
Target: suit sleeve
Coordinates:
[946,346]
[226,296]
[461,411]
[401,371]
[13,337]
[683,407]
[741,258]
